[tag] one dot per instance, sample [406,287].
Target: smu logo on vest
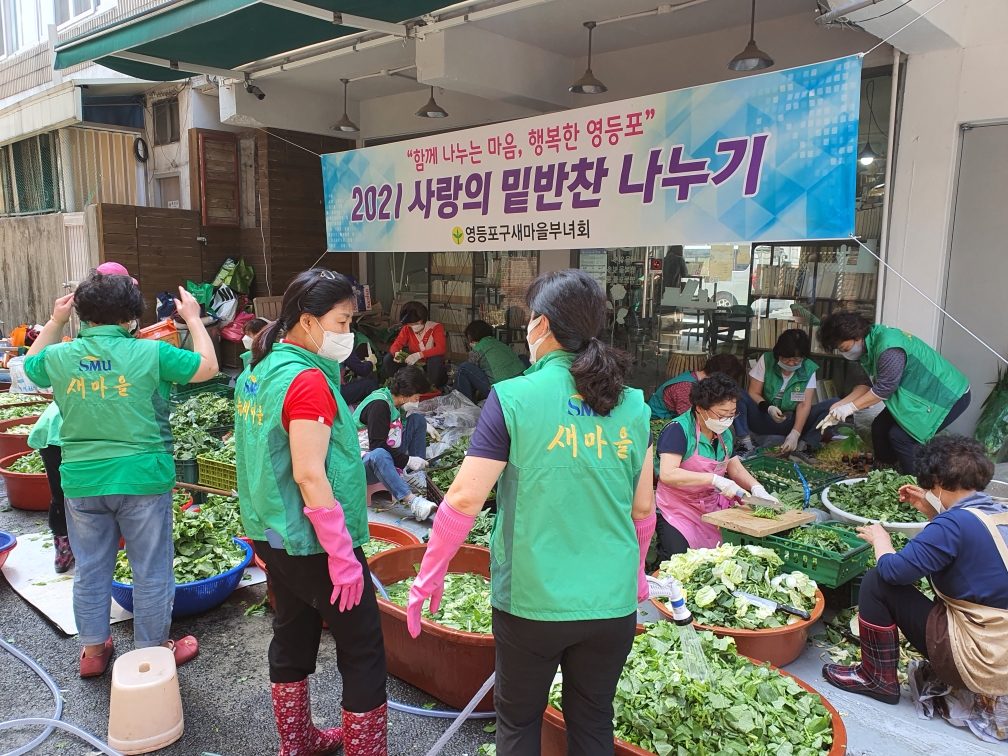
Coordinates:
[91,364]
[251,385]
[577,407]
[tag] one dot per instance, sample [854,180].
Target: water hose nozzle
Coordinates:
[671,589]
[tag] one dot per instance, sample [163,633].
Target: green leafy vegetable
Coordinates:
[29,463]
[204,411]
[820,537]
[376,546]
[8,398]
[481,529]
[223,512]
[876,498]
[464,606]
[767,513]
[22,430]
[709,576]
[448,466]
[226,452]
[10,413]
[745,709]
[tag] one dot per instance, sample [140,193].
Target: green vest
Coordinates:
[929,387]
[269,497]
[773,379]
[563,545]
[46,431]
[382,394]
[657,404]
[501,359]
[709,448]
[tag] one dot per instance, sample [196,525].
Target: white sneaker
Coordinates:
[421,508]
[417,481]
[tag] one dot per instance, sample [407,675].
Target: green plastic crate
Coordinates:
[186,471]
[220,475]
[825,567]
[220,384]
[816,478]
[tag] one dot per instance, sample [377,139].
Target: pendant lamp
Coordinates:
[752,58]
[588,84]
[344,124]
[432,109]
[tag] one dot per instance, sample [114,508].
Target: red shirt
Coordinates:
[433,344]
[309,398]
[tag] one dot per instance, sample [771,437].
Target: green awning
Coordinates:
[221,34]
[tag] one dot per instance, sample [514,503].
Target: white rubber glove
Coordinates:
[727,487]
[775,413]
[432,432]
[416,463]
[762,493]
[791,442]
[414,358]
[837,414]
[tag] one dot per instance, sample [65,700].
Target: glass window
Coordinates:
[67,10]
[166,121]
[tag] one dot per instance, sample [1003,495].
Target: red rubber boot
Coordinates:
[365,733]
[298,735]
[875,676]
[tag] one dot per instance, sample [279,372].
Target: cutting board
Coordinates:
[741,520]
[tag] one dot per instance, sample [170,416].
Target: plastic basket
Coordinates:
[191,598]
[219,384]
[7,543]
[826,567]
[816,478]
[220,475]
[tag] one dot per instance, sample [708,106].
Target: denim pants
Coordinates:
[470,379]
[95,524]
[378,463]
[762,424]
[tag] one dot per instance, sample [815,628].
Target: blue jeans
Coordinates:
[378,463]
[741,424]
[470,379]
[94,524]
[761,423]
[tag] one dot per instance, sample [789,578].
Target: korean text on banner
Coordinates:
[769,157]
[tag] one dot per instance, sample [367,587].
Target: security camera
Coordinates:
[252,89]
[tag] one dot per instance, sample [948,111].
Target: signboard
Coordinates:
[768,157]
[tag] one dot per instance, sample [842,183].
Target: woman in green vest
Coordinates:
[249,331]
[490,361]
[45,437]
[782,392]
[117,471]
[302,492]
[922,391]
[569,446]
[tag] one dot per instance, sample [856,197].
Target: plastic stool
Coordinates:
[145,707]
[374,488]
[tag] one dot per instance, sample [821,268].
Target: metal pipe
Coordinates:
[843,10]
[887,177]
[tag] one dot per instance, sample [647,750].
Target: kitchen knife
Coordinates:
[772,605]
[759,501]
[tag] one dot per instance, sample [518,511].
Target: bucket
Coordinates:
[450,665]
[14,443]
[145,706]
[28,491]
[554,731]
[776,645]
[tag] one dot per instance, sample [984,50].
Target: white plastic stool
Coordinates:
[145,708]
[372,489]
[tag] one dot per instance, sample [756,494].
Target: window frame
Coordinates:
[174,129]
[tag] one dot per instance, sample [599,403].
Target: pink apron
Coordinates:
[682,506]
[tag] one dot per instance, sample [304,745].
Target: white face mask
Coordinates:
[410,406]
[717,425]
[247,341]
[854,353]
[534,345]
[934,501]
[335,346]
[787,368]
[418,328]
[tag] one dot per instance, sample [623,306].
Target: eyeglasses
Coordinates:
[328,275]
[732,416]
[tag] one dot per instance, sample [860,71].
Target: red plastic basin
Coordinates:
[554,732]
[776,645]
[25,490]
[450,665]
[14,443]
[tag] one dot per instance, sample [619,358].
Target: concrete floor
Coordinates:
[227,700]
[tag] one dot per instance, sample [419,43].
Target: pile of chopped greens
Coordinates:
[448,466]
[201,550]
[766,513]
[792,497]
[204,411]
[465,604]
[31,410]
[744,709]
[876,498]
[22,430]
[7,397]
[840,641]
[190,442]
[29,463]
[708,577]
[223,513]
[376,546]
[820,537]
[225,453]
[479,535]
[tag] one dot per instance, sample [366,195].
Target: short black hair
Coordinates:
[842,326]
[793,342]
[713,389]
[102,299]
[478,330]
[409,380]
[728,364]
[954,462]
[414,312]
[255,325]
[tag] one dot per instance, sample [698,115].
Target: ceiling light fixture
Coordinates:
[752,58]
[432,109]
[344,124]
[588,84]
[867,155]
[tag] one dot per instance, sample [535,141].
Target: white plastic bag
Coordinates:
[20,383]
[224,304]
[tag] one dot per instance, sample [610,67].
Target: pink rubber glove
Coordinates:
[449,530]
[345,571]
[645,529]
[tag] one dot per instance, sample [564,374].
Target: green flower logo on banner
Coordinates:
[457,235]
